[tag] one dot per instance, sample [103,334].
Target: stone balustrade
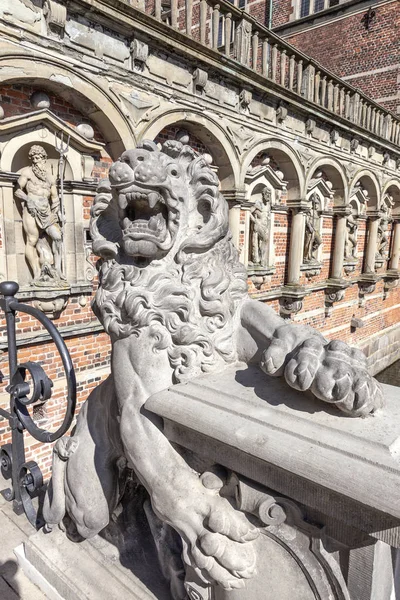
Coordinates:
[223,27]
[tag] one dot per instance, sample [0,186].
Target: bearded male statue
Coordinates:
[40,218]
[173,297]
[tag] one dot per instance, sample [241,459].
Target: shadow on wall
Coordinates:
[390,375]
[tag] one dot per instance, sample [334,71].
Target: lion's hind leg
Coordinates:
[85,468]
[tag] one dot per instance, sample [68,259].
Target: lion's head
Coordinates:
[160,225]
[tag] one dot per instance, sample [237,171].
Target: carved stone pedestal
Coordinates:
[322,488]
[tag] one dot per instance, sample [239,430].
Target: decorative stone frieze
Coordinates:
[310,125]
[354,143]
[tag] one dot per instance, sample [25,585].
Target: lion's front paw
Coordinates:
[335,373]
[217,539]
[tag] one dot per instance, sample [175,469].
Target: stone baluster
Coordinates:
[317,80]
[265,58]
[336,98]
[228,33]
[394,259]
[347,106]
[292,62]
[370,254]
[341,102]
[296,247]
[299,76]
[341,213]
[274,61]
[360,113]
[373,118]
[283,67]
[157,10]
[203,20]
[308,82]
[174,14]
[355,108]
[215,26]
[188,16]
[254,50]
[323,91]
[330,96]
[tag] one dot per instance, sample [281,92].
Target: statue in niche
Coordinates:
[260,217]
[173,297]
[351,237]
[41,219]
[312,237]
[383,233]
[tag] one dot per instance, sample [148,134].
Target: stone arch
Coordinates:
[336,175]
[208,131]
[288,161]
[80,90]
[393,189]
[371,184]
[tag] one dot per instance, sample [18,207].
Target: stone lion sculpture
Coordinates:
[173,297]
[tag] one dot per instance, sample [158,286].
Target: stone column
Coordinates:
[235,200]
[341,213]
[296,248]
[370,255]
[394,259]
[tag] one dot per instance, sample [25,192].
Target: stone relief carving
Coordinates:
[200,78]
[41,218]
[260,217]
[312,235]
[383,231]
[139,54]
[171,295]
[350,251]
[245,97]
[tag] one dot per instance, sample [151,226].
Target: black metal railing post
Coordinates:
[26,477]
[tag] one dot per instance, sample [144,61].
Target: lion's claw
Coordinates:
[333,371]
[217,539]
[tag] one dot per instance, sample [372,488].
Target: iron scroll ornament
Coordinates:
[26,477]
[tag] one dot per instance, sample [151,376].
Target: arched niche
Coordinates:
[265,189]
[17,136]
[332,172]
[287,161]
[209,132]
[366,181]
[81,90]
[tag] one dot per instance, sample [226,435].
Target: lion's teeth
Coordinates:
[153,199]
[122,200]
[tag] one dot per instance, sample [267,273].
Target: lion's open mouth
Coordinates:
[144,216]
[146,223]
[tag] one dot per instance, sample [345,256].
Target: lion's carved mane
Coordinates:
[188,299]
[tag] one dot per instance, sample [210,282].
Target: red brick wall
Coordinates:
[346,47]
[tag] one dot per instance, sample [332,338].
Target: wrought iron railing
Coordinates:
[29,385]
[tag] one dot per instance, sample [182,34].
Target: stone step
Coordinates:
[84,571]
